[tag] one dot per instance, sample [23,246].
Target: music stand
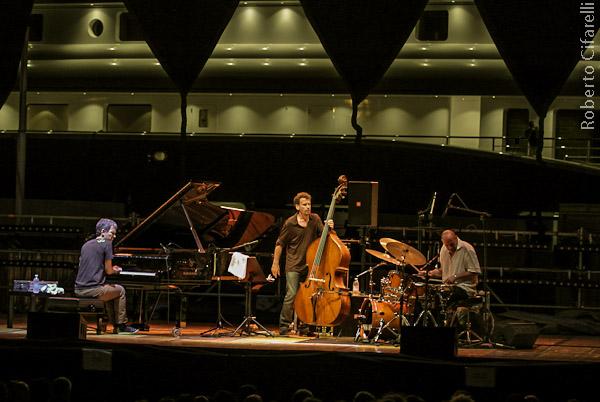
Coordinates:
[255,278]
[221,321]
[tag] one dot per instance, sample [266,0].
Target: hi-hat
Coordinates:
[405,253]
[383,256]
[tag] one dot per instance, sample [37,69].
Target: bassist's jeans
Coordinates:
[293,280]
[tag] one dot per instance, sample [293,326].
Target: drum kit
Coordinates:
[404,298]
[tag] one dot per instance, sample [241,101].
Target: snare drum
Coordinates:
[416,290]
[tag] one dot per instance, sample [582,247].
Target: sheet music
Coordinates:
[238,264]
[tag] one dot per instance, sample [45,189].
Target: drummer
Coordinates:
[458,267]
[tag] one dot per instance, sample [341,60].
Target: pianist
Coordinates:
[95,262]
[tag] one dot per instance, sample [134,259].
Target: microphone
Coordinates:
[432,203]
[448,205]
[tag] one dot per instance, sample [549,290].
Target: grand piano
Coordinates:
[186,242]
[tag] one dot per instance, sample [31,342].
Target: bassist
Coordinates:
[297,233]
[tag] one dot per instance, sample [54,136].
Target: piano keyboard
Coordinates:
[138,273]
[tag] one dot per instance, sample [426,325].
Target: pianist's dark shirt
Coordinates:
[295,241]
[91,263]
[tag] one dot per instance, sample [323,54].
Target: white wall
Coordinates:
[9,113]
[379,115]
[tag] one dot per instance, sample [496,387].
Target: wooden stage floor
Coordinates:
[549,348]
[556,368]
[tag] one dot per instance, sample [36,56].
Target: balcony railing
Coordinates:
[577,150]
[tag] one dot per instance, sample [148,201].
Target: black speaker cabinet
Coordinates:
[519,334]
[54,325]
[363,203]
[439,342]
[349,326]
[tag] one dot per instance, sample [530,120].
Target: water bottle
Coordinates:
[35,284]
[355,287]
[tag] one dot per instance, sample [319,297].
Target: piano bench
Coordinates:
[89,307]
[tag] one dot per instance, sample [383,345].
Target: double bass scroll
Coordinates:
[323,298]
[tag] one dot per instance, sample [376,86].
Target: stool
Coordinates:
[467,337]
[83,306]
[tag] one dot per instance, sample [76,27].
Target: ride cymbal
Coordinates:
[385,240]
[405,253]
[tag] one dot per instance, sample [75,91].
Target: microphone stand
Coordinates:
[421,216]
[214,331]
[488,318]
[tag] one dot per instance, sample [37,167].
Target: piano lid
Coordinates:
[221,226]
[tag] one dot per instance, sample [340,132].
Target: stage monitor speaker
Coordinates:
[436,342]
[363,203]
[54,325]
[519,334]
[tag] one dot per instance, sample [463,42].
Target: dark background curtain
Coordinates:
[14,17]
[539,41]
[182,34]
[362,38]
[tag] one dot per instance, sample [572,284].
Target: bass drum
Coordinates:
[375,314]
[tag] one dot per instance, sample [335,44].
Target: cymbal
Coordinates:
[405,253]
[385,240]
[383,256]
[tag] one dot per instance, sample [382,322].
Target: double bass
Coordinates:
[323,298]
